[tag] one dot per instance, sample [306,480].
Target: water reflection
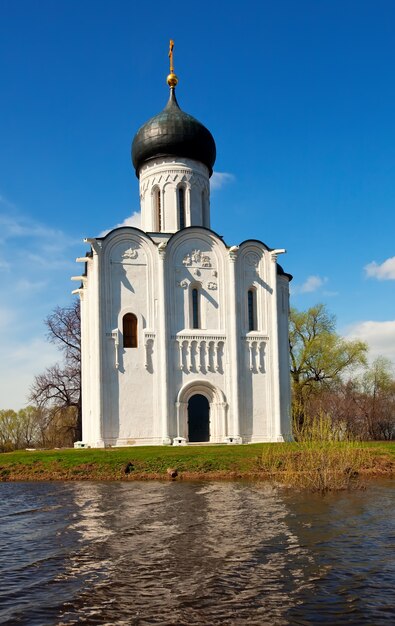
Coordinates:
[211,553]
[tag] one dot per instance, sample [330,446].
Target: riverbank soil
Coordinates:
[286,463]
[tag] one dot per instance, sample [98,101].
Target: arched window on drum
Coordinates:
[181,207]
[158,210]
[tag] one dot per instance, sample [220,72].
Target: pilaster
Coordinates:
[233,346]
[275,361]
[164,405]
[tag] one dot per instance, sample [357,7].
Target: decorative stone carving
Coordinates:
[252,258]
[201,353]
[233,250]
[130,253]
[212,286]
[183,284]
[114,335]
[256,352]
[198,258]
[162,250]
[149,339]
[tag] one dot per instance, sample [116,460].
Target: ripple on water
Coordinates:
[182,553]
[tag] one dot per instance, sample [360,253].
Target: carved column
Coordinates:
[180,348]
[262,346]
[189,355]
[202,351]
[115,336]
[250,349]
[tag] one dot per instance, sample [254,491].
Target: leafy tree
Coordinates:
[8,430]
[18,429]
[59,386]
[319,356]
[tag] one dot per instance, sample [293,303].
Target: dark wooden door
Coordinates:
[198,418]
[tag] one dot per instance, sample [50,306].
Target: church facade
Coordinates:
[184,338]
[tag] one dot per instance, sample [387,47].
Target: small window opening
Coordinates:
[158,209]
[251,310]
[181,206]
[129,331]
[195,309]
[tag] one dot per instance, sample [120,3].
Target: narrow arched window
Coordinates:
[158,210]
[251,310]
[195,309]
[129,330]
[181,207]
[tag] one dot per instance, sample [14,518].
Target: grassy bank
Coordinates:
[316,466]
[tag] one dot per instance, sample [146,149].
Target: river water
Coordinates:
[174,553]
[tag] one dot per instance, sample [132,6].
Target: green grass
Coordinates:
[149,459]
[282,462]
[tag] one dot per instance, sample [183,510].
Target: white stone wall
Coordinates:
[167,175]
[140,395]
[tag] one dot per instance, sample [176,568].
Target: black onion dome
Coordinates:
[173,133]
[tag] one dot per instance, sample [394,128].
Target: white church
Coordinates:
[184,337]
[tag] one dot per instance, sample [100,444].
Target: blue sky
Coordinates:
[299,96]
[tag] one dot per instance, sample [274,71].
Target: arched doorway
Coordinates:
[198,418]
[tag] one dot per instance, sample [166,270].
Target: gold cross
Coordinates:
[171,46]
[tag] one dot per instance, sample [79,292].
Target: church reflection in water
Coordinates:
[189,553]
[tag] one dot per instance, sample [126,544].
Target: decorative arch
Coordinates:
[128,246]
[218,409]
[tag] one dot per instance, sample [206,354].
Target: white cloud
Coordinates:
[134,220]
[311,284]
[219,179]
[36,263]
[29,286]
[50,263]
[385,271]
[21,226]
[380,336]
[6,316]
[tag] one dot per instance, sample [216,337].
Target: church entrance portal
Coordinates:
[198,418]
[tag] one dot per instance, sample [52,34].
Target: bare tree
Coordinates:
[59,387]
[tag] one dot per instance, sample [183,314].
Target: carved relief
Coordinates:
[183,284]
[196,257]
[130,253]
[212,286]
[252,258]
